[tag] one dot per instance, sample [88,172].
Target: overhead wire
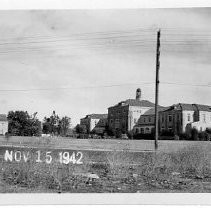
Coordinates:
[74,88]
[104,86]
[181,41]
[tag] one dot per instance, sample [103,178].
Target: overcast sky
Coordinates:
[78,62]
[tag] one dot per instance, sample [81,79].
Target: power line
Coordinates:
[74,88]
[186,84]
[103,86]
[112,40]
[120,44]
[81,37]
[128,31]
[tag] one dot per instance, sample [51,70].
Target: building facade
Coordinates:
[3,124]
[101,126]
[95,123]
[124,116]
[176,119]
[146,122]
[180,117]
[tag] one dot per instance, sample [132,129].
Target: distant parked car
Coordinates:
[95,136]
[45,135]
[124,136]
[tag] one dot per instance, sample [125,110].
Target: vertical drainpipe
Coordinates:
[197,114]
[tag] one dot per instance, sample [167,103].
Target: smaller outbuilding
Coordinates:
[95,123]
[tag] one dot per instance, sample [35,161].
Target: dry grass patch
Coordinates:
[121,171]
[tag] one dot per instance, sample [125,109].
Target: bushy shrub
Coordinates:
[167,133]
[208,130]
[143,136]
[194,134]
[203,136]
[130,134]
[118,133]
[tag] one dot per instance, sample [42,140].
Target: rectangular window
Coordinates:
[204,117]
[170,118]
[147,130]
[170,128]
[188,117]
[178,117]
[142,130]
[162,119]
[123,124]
[149,119]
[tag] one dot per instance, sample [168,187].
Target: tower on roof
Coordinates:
[138,94]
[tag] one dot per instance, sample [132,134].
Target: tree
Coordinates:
[46,128]
[81,129]
[118,133]
[22,124]
[109,131]
[51,124]
[208,130]
[56,125]
[64,125]
[194,134]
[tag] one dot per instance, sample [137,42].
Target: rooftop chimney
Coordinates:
[138,94]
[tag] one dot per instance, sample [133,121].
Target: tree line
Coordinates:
[21,123]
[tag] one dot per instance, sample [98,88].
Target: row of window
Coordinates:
[169,128]
[118,112]
[204,117]
[170,118]
[147,119]
[124,111]
[137,111]
[116,121]
[143,130]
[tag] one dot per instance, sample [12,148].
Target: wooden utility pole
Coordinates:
[157,89]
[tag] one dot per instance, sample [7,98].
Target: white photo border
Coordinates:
[124,198]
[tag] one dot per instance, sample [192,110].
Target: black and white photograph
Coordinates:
[105,101]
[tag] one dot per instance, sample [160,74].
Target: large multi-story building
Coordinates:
[125,114]
[3,124]
[175,119]
[95,123]
[180,117]
[146,122]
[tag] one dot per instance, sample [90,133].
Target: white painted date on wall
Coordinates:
[46,157]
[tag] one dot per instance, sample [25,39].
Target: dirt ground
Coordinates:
[185,171]
[134,183]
